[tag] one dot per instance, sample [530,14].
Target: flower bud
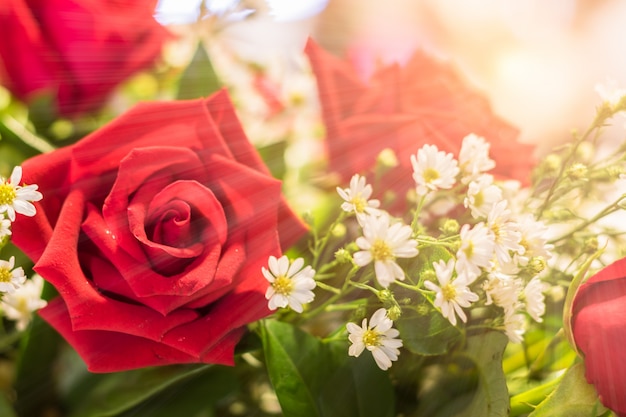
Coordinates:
[386,297]
[591,245]
[450,227]
[394,313]
[343,256]
[577,171]
[537,265]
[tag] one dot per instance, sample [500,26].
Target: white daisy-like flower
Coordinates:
[20,305]
[5,227]
[503,291]
[382,243]
[505,231]
[482,194]
[515,326]
[290,284]
[15,198]
[451,295]
[357,198]
[534,240]
[10,278]
[534,298]
[474,157]
[476,250]
[433,169]
[378,337]
[610,93]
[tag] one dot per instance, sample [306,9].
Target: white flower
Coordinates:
[378,337]
[10,279]
[382,244]
[433,169]
[482,194]
[474,157]
[503,291]
[535,300]
[476,250]
[20,305]
[290,284]
[610,93]
[506,232]
[451,294]
[514,326]
[5,228]
[15,198]
[357,198]
[533,240]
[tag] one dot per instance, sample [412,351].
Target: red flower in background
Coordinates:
[154,230]
[599,328]
[78,50]
[404,108]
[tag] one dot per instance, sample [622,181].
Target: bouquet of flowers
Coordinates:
[247,243]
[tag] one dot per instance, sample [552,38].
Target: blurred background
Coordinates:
[539,62]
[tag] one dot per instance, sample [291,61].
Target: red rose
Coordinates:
[404,108]
[599,329]
[77,49]
[154,230]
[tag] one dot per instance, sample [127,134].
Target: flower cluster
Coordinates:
[20,297]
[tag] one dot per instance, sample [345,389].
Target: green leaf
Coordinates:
[573,397]
[491,398]
[35,385]
[199,78]
[427,334]
[468,383]
[312,378]
[5,407]
[191,397]
[111,394]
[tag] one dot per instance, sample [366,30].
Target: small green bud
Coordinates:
[386,296]
[591,245]
[394,313]
[423,309]
[450,227]
[577,171]
[387,158]
[536,265]
[339,230]
[429,275]
[343,256]
[552,163]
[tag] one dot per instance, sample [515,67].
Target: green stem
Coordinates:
[526,402]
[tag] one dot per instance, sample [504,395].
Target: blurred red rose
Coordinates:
[77,50]
[599,329]
[404,108]
[154,230]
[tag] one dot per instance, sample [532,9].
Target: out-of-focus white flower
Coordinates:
[610,93]
[357,198]
[474,157]
[15,198]
[533,240]
[451,295]
[476,250]
[534,299]
[515,327]
[505,232]
[503,291]
[383,243]
[5,227]
[290,284]
[20,305]
[378,337]
[10,278]
[482,194]
[433,169]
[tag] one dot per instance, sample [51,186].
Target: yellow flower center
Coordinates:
[479,199]
[5,275]
[449,292]
[283,285]
[7,194]
[381,251]
[359,204]
[371,338]
[469,250]
[431,174]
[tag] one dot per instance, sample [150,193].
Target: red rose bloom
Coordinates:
[404,108]
[154,230]
[599,328]
[77,49]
